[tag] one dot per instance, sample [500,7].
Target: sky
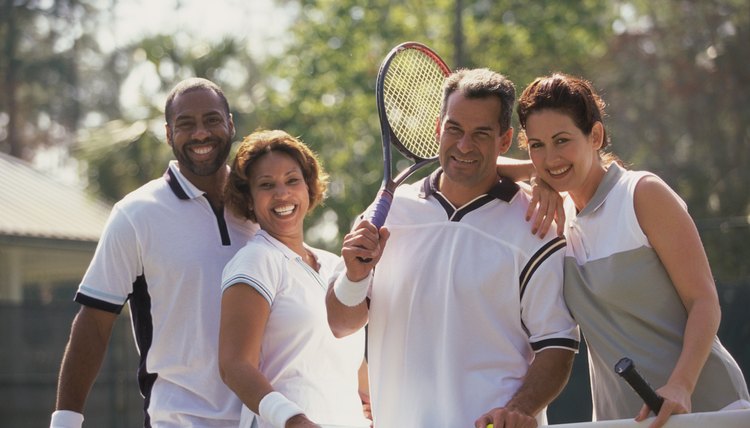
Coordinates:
[260,21]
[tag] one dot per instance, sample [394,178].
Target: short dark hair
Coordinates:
[189,85]
[482,83]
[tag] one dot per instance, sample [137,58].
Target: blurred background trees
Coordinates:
[675,74]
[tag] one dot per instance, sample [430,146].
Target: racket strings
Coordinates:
[412,94]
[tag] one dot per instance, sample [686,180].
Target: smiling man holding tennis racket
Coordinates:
[467,324]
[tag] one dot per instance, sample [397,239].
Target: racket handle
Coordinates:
[626,368]
[377,212]
[379,209]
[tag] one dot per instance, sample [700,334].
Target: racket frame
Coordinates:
[381,205]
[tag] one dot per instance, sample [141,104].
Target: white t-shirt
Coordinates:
[163,250]
[299,356]
[461,300]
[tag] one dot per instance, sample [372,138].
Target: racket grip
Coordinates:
[377,212]
[379,209]
[626,368]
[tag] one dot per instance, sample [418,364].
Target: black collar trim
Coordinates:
[503,190]
[174,184]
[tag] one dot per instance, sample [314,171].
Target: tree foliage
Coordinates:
[677,78]
[675,74]
[43,44]
[325,78]
[122,154]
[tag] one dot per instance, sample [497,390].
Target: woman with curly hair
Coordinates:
[276,351]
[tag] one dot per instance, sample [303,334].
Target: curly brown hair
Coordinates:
[256,145]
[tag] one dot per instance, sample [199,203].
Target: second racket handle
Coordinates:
[626,368]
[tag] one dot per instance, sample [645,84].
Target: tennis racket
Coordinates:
[409,94]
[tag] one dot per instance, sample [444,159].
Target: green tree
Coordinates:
[677,78]
[323,90]
[323,84]
[42,46]
[129,147]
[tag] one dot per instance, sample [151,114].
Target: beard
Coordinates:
[206,167]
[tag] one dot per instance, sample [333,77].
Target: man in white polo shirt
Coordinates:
[467,324]
[163,251]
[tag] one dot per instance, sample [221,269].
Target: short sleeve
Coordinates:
[115,267]
[543,310]
[258,266]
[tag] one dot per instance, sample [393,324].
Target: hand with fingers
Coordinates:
[362,248]
[300,421]
[546,205]
[506,417]
[676,401]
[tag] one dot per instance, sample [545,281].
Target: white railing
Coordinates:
[725,419]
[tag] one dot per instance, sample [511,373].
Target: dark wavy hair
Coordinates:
[256,145]
[570,95]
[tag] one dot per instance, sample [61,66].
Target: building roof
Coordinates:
[35,205]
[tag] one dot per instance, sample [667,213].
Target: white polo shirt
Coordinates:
[163,251]
[461,300]
[299,355]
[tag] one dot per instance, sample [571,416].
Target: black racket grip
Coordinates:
[626,368]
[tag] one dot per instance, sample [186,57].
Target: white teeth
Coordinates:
[559,171]
[201,150]
[463,160]
[284,210]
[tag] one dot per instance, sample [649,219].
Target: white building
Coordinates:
[48,233]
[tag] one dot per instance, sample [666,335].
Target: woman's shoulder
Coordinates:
[257,249]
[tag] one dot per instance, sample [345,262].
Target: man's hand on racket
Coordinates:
[545,206]
[300,421]
[362,249]
[676,401]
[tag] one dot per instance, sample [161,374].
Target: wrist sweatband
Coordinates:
[351,293]
[277,409]
[66,419]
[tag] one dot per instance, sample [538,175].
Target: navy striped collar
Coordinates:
[504,189]
[174,183]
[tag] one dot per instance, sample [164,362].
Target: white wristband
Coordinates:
[351,293]
[277,409]
[66,419]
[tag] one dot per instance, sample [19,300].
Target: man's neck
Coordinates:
[459,195]
[212,185]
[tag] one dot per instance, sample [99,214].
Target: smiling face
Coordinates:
[563,155]
[280,197]
[200,132]
[470,141]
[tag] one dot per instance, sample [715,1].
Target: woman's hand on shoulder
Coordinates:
[546,206]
